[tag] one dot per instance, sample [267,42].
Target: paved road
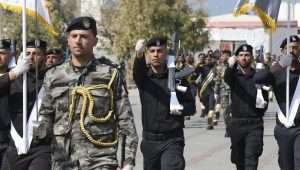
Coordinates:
[209,150]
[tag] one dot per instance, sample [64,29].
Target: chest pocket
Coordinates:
[93,118]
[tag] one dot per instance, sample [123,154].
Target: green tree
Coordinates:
[11,24]
[135,19]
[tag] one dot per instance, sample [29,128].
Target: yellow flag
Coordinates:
[267,10]
[41,8]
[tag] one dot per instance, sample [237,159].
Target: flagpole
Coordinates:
[288,68]
[25,134]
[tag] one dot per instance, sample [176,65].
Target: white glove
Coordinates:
[285,60]
[126,167]
[22,66]
[231,61]
[140,46]
[259,66]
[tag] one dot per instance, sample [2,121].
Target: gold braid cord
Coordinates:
[88,100]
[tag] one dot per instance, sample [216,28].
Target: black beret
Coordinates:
[37,44]
[157,41]
[83,23]
[5,44]
[55,51]
[293,39]
[244,48]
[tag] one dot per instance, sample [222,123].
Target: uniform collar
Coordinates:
[163,73]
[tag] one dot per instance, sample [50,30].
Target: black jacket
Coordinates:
[4,115]
[16,98]
[155,99]
[278,82]
[243,93]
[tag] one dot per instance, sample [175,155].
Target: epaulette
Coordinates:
[104,60]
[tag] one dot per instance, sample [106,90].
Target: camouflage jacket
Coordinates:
[71,149]
[221,88]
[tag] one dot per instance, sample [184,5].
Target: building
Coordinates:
[228,32]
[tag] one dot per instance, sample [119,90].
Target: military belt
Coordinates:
[247,120]
[162,136]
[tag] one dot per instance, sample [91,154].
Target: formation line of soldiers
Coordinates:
[85,109]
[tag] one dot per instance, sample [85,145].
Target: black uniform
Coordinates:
[245,128]
[38,156]
[288,139]
[4,115]
[163,140]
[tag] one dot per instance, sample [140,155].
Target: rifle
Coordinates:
[175,106]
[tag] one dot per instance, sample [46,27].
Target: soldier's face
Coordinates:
[157,55]
[52,59]
[294,49]
[224,58]
[82,42]
[36,56]
[244,59]
[4,58]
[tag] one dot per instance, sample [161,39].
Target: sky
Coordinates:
[218,7]
[213,7]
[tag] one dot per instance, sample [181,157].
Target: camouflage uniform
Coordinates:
[71,149]
[223,93]
[221,88]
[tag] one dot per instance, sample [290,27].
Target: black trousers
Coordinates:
[246,142]
[288,140]
[163,154]
[38,158]
[3,147]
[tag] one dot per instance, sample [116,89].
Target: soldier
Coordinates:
[288,119]
[5,77]
[206,89]
[180,62]
[222,90]
[85,109]
[163,139]
[248,105]
[54,56]
[38,156]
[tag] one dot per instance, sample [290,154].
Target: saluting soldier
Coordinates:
[287,127]
[248,105]
[163,139]
[85,109]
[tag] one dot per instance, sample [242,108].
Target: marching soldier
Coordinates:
[248,105]
[85,109]
[38,156]
[54,56]
[163,139]
[288,119]
[205,81]
[5,57]
[180,62]
[5,77]
[222,90]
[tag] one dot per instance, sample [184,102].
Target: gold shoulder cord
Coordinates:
[89,100]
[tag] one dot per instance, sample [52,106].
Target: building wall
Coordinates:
[254,37]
